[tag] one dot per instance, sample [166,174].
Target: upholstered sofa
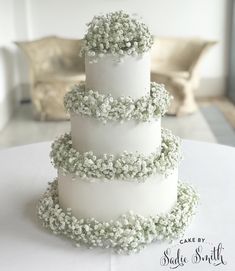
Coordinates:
[175,62]
[55,65]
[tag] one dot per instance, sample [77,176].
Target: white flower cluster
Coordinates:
[116,33]
[129,233]
[127,166]
[105,107]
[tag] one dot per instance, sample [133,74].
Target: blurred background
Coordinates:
[193,55]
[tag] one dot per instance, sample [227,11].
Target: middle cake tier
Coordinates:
[115,137]
[104,124]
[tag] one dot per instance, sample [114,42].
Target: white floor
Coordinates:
[23,129]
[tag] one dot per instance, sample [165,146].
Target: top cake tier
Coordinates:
[131,77]
[116,48]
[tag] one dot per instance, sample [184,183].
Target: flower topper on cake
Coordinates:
[116,33]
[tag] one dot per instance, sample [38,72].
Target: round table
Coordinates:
[25,245]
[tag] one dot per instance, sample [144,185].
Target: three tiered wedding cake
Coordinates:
[117,182]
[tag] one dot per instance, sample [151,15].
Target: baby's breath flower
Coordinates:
[126,166]
[106,108]
[116,33]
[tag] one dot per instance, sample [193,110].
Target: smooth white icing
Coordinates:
[108,200]
[131,77]
[89,134]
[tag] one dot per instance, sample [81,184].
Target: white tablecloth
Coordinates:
[25,245]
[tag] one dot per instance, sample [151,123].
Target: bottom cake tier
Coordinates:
[130,232]
[105,200]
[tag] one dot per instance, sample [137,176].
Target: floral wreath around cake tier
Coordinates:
[116,33]
[129,233]
[127,166]
[106,108]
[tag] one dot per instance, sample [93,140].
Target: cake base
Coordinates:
[129,233]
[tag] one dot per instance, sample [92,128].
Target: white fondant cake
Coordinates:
[118,170]
[115,137]
[130,77]
[109,200]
